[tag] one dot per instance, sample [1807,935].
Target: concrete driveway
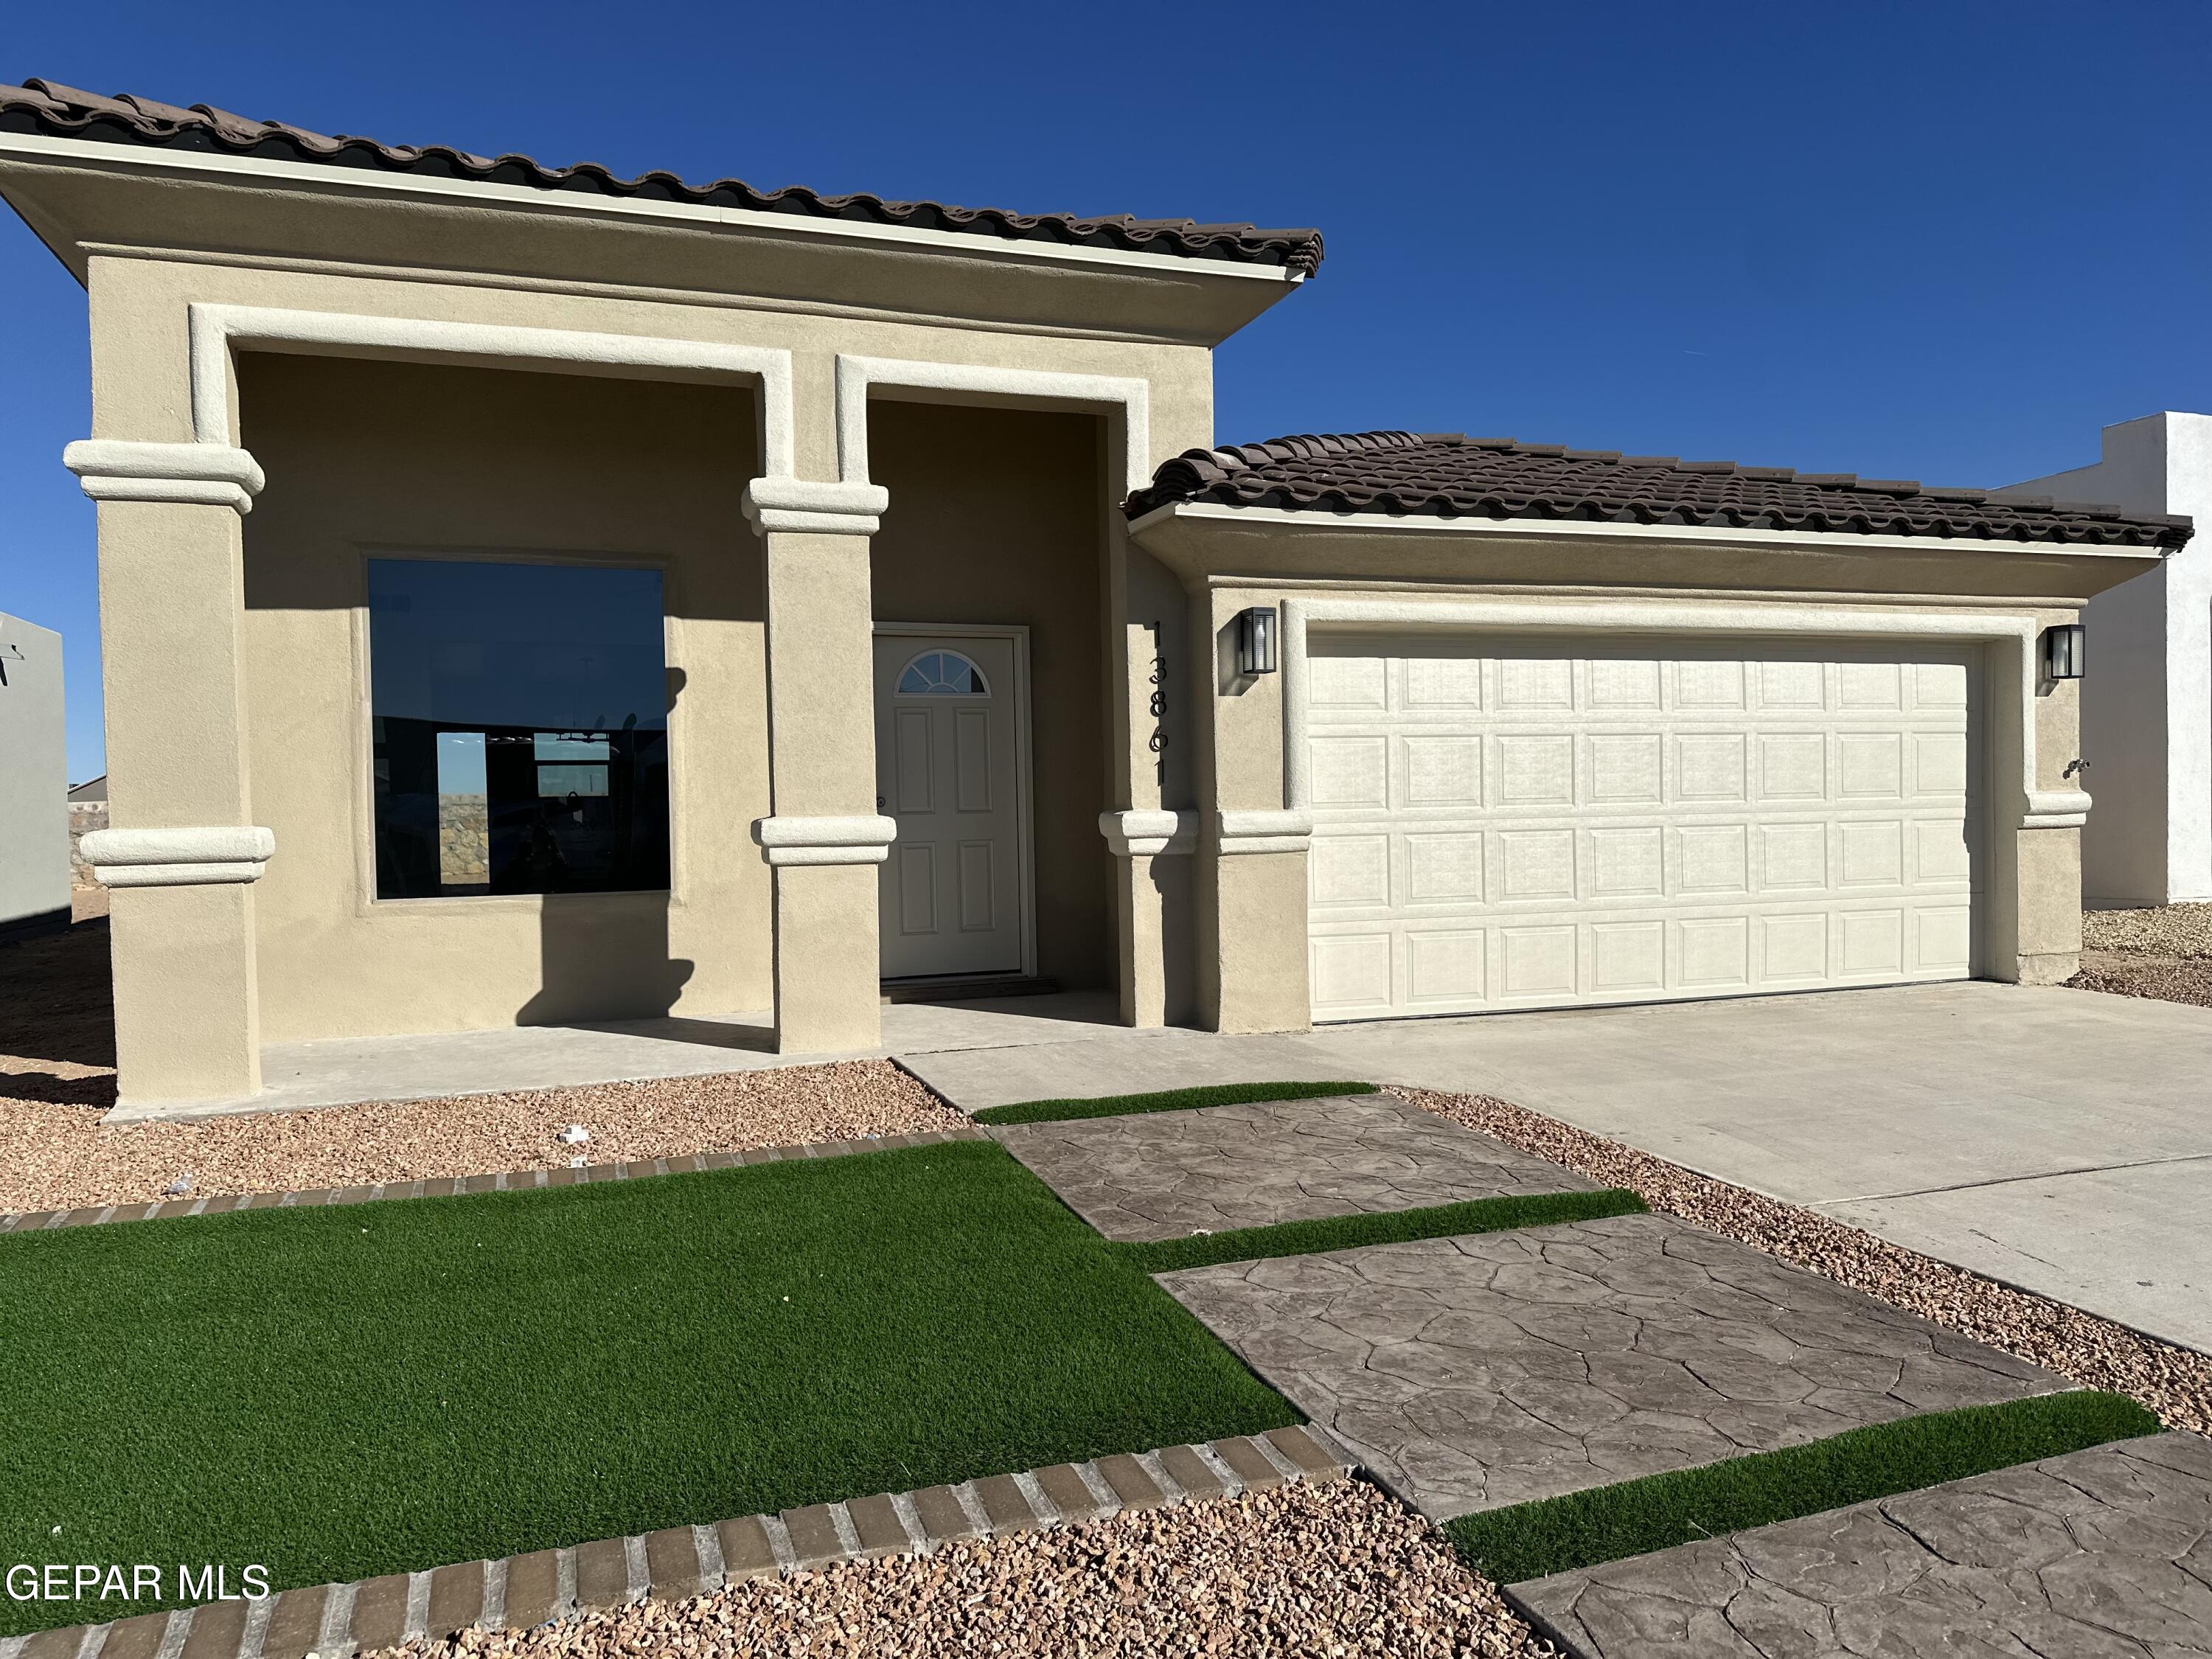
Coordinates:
[2057,1139]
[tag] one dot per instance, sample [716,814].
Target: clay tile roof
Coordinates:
[57,111]
[1449,475]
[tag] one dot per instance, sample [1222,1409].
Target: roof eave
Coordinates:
[1597,531]
[168,162]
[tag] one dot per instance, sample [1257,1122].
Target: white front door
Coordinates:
[1546,825]
[949,726]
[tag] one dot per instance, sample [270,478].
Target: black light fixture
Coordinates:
[1255,640]
[2063,650]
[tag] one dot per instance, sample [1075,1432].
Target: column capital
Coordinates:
[815,507]
[197,857]
[1149,834]
[862,838]
[196,474]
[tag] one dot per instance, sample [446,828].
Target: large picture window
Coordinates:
[520,728]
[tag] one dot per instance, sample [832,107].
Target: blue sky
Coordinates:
[1943,240]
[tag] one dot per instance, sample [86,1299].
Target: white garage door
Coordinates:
[1508,825]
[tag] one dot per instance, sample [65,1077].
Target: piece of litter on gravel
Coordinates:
[575,1134]
[576,1162]
[179,1187]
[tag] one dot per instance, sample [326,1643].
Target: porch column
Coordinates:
[185,852]
[824,836]
[1253,975]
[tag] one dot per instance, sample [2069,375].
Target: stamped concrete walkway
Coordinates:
[1168,1174]
[2100,1554]
[2056,1139]
[1473,1372]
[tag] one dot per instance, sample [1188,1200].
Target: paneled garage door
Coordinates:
[1508,825]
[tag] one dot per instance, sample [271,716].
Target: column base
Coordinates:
[187,995]
[827,975]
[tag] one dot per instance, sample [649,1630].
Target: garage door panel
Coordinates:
[1536,770]
[1446,968]
[1625,769]
[1351,771]
[1444,867]
[1628,863]
[1530,828]
[1440,769]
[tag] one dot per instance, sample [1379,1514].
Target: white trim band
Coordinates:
[226,854]
[1149,834]
[1286,830]
[195,474]
[215,329]
[1026,388]
[860,839]
[810,505]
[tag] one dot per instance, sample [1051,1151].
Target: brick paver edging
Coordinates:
[455,1186]
[333,1621]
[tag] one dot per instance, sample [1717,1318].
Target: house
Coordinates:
[534,596]
[2147,709]
[35,838]
[88,811]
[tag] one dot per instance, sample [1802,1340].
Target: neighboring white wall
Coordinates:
[2147,698]
[35,838]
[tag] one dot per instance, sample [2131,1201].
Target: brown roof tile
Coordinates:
[47,107]
[1448,474]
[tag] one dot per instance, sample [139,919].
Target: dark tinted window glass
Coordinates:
[521,728]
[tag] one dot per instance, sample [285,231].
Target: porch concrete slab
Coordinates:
[1167,1175]
[2095,1555]
[344,1071]
[1087,1065]
[1473,1372]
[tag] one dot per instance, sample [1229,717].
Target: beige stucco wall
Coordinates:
[368,457]
[999,516]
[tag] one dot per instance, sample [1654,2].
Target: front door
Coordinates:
[949,732]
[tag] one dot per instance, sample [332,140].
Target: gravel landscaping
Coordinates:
[2165,953]
[2183,930]
[1332,1568]
[55,1156]
[2174,1382]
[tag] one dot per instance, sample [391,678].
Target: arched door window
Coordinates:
[942,674]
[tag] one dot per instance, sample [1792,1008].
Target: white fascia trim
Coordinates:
[1149,834]
[862,838]
[216,329]
[1018,387]
[195,857]
[579,204]
[205,475]
[2037,809]
[808,505]
[1568,530]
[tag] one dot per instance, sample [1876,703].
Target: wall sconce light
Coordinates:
[1255,640]
[2062,650]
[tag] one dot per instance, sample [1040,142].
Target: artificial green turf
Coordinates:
[1581,1529]
[1346,1232]
[1165,1100]
[337,1393]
